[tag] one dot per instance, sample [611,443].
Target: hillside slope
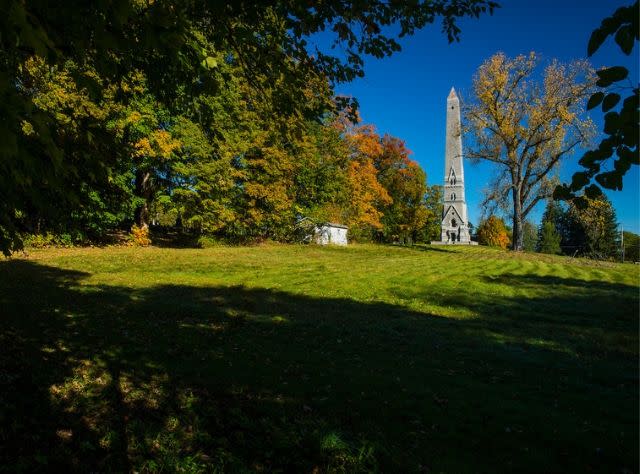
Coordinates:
[310,359]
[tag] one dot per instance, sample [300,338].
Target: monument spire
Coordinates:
[455,228]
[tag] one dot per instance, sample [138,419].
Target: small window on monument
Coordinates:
[453,196]
[454,223]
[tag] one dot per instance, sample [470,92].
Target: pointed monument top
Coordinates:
[452,94]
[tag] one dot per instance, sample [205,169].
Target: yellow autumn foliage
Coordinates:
[140,236]
[159,144]
[527,127]
[492,232]
[367,195]
[55,91]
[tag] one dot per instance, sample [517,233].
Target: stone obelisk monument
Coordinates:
[455,228]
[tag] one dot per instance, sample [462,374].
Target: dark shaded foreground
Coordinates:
[232,379]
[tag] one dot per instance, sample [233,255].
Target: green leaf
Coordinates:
[625,39]
[610,101]
[595,41]
[595,100]
[629,112]
[562,193]
[611,123]
[579,180]
[604,151]
[209,63]
[581,202]
[628,155]
[588,159]
[593,191]
[622,165]
[610,75]
[610,180]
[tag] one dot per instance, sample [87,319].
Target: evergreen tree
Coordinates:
[530,236]
[631,247]
[594,229]
[549,240]
[589,231]
[555,213]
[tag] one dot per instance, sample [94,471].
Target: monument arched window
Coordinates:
[453,196]
[454,223]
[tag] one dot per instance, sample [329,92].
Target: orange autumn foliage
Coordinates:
[365,142]
[493,233]
[367,195]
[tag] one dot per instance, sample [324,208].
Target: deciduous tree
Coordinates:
[143,129]
[367,196]
[176,45]
[433,203]
[526,128]
[406,184]
[321,180]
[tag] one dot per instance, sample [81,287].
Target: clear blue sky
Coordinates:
[405,95]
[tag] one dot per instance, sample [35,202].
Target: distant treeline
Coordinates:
[589,230]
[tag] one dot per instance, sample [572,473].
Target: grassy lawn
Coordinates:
[307,359]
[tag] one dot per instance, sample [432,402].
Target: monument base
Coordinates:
[439,242]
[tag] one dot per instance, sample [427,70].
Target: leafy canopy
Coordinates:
[526,128]
[187,52]
[621,124]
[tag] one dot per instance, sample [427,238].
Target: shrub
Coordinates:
[140,236]
[493,232]
[40,241]
[205,242]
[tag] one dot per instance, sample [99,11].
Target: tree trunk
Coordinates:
[518,237]
[143,190]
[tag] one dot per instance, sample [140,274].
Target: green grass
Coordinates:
[307,359]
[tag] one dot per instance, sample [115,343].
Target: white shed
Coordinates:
[330,233]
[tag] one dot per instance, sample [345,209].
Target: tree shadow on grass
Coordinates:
[598,287]
[429,248]
[172,377]
[166,237]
